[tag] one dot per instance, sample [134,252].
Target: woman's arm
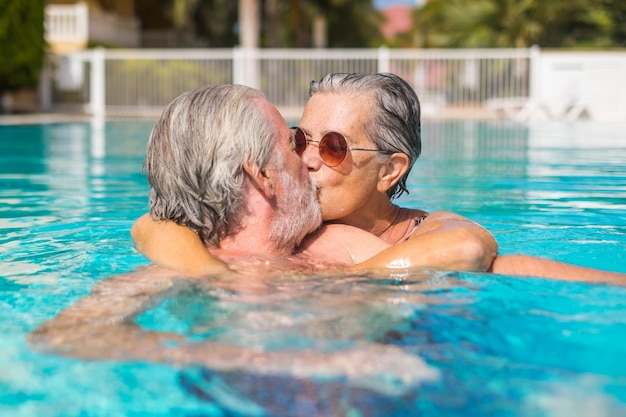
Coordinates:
[175,247]
[530,266]
[443,241]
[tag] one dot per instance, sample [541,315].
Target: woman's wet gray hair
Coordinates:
[395,125]
[195,157]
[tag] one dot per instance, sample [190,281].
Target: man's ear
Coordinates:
[392,170]
[259,179]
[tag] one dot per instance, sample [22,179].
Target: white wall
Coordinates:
[593,80]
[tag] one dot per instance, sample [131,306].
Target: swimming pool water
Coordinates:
[499,346]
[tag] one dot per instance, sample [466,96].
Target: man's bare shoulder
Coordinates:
[341,244]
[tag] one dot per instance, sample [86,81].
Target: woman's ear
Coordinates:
[259,179]
[392,170]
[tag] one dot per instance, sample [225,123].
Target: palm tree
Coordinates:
[510,23]
[282,23]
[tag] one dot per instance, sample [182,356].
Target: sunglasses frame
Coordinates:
[322,147]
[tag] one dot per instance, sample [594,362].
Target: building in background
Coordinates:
[75,25]
[397,20]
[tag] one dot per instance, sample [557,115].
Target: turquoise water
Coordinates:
[492,345]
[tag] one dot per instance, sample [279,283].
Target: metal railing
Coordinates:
[141,82]
[520,84]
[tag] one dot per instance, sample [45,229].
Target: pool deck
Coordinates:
[36,118]
[45,118]
[289,113]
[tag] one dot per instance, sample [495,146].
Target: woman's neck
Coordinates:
[379,218]
[391,223]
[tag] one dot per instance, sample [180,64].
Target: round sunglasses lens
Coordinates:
[299,141]
[333,149]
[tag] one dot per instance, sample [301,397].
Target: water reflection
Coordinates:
[474,167]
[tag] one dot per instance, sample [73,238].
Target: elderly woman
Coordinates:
[359,136]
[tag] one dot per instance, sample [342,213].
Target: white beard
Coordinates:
[298,213]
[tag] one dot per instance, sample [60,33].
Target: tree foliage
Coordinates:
[617,9]
[22,50]
[284,23]
[216,20]
[519,23]
[349,23]
[353,24]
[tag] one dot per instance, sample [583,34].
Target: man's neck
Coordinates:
[252,235]
[249,245]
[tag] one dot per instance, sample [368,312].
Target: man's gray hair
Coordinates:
[195,157]
[395,125]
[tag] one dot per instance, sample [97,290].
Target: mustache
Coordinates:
[316,188]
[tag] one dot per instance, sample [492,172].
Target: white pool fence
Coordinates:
[520,84]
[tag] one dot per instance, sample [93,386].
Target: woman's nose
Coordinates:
[311,157]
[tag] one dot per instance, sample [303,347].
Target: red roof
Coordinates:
[397,20]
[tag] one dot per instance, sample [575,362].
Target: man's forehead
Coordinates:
[274,116]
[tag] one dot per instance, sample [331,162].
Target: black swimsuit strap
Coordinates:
[418,220]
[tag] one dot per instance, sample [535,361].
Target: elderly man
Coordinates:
[220,161]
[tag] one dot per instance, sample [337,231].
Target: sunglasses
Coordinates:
[333,147]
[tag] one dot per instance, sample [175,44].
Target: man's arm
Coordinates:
[100,324]
[100,327]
